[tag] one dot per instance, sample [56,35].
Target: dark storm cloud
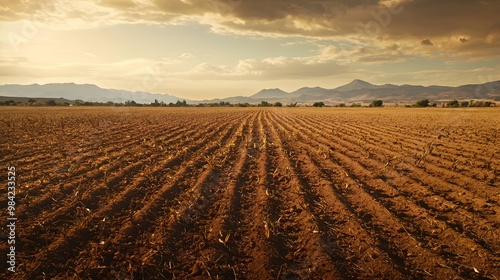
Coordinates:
[443,22]
[446,24]
[397,18]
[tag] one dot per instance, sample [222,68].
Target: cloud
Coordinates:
[272,68]
[186,55]
[369,21]
[118,4]
[17,10]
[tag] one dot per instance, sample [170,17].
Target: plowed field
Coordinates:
[253,193]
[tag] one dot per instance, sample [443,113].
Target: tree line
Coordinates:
[183,103]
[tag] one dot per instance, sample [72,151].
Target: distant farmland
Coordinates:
[254,193]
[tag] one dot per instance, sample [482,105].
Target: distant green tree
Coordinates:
[8,103]
[179,103]
[377,103]
[264,104]
[453,103]
[466,104]
[131,103]
[51,103]
[473,103]
[422,103]
[277,104]
[318,104]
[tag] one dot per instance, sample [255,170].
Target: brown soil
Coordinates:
[253,193]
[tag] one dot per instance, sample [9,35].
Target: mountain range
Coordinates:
[85,92]
[361,91]
[355,91]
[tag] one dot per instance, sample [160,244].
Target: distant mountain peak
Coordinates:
[359,81]
[272,89]
[317,87]
[310,90]
[356,84]
[270,93]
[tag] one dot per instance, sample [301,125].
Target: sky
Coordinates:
[199,49]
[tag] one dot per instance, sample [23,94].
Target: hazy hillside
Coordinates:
[361,91]
[85,92]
